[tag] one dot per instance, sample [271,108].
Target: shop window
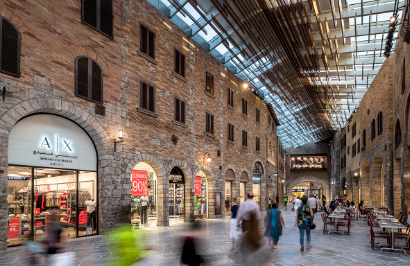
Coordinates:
[201,196]
[209,123]
[88,80]
[258,144]
[209,84]
[373,129]
[244,138]
[379,123]
[147,97]
[364,137]
[403,76]
[230,97]
[398,134]
[230,132]
[354,130]
[179,67]
[98,14]
[179,111]
[244,106]
[258,115]
[10,48]
[147,41]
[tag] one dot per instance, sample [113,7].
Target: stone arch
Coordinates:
[230,175]
[79,50]
[355,187]
[377,181]
[324,183]
[365,186]
[16,20]
[244,177]
[349,190]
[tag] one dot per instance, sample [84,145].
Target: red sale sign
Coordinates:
[139,183]
[48,187]
[197,186]
[14,228]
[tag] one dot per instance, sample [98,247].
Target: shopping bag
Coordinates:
[62,259]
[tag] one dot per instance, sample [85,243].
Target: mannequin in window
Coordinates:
[92,217]
[202,208]
[144,207]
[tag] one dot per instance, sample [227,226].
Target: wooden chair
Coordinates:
[378,234]
[326,221]
[344,222]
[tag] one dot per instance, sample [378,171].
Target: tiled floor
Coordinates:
[353,249]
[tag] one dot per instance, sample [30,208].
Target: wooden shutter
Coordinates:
[151,99]
[106,17]
[182,112]
[212,84]
[364,137]
[212,124]
[176,65]
[207,123]
[90,12]
[182,65]
[144,95]
[82,77]
[358,146]
[144,39]
[177,111]
[10,48]
[151,44]
[96,87]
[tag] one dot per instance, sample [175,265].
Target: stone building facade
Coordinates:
[50,45]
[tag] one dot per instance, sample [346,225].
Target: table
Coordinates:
[392,226]
[336,217]
[375,211]
[386,217]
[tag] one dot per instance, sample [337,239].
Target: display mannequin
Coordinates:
[202,209]
[144,207]
[92,217]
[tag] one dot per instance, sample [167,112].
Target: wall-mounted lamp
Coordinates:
[283,181]
[331,183]
[120,137]
[356,174]
[245,85]
[207,157]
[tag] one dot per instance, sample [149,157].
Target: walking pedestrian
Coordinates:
[313,205]
[304,221]
[324,202]
[296,203]
[285,200]
[275,223]
[245,210]
[234,233]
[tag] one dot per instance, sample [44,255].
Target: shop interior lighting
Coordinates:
[120,137]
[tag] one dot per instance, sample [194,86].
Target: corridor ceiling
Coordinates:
[312,60]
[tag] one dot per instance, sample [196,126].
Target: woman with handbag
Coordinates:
[274,225]
[304,214]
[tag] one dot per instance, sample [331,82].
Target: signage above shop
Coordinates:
[51,141]
[298,190]
[18,178]
[256,179]
[178,179]
[308,162]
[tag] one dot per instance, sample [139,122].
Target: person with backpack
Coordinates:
[305,215]
[274,225]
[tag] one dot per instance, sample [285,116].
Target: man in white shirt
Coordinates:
[245,210]
[296,204]
[312,204]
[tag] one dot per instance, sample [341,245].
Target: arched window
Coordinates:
[364,137]
[379,123]
[10,48]
[88,79]
[398,134]
[98,15]
[373,129]
[403,76]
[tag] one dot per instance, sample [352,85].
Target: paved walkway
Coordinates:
[353,249]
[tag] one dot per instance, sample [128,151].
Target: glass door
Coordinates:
[242,191]
[228,197]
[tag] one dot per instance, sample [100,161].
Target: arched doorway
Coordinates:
[256,184]
[319,186]
[365,187]
[377,182]
[349,190]
[307,188]
[343,187]
[52,169]
[229,181]
[144,198]
[242,186]
[201,196]
[176,196]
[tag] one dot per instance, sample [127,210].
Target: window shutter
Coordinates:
[82,77]
[207,122]
[9,48]
[151,43]
[212,124]
[182,112]
[208,89]
[151,99]
[177,113]
[90,12]
[106,17]
[144,96]
[212,84]
[182,65]
[176,67]
[403,76]
[96,88]
[144,39]
[232,133]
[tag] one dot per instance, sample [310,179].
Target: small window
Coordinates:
[230,132]
[364,137]
[88,80]
[209,123]
[398,134]
[10,48]
[348,150]
[179,67]
[258,144]
[209,83]
[373,129]
[358,146]
[379,123]
[147,38]
[403,76]
[230,97]
[147,97]
[244,106]
[354,130]
[98,14]
[244,138]
[258,118]
[179,111]
[354,150]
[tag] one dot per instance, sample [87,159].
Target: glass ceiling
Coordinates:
[348,40]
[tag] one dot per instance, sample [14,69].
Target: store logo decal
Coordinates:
[66,146]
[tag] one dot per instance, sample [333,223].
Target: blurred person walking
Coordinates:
[296,203]
[312,202]
[190,248]
[285,201]
[250,242]
[234,232]
[274,225]
[246,209]
[305,215]
[53,239]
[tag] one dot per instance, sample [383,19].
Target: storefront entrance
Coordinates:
[201,196]
[242,191]
[256,188]
[176,195]
[144,196]
[228,197]
[52,178]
